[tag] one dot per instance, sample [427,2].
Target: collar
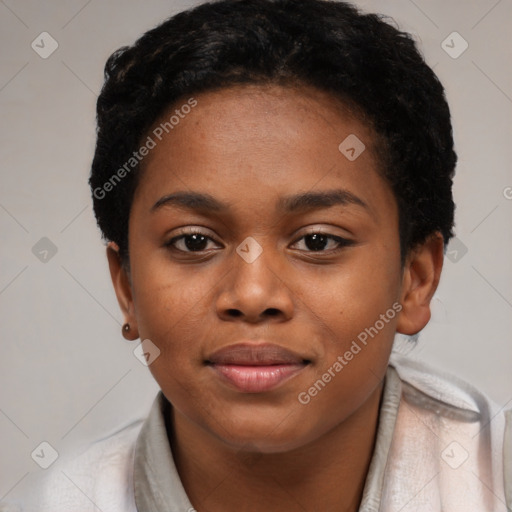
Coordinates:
[157,485]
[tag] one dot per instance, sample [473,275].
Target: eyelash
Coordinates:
[342,242]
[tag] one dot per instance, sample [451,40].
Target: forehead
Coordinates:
[255,144]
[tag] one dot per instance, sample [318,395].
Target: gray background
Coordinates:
[66,374]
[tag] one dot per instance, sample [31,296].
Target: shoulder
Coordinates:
[98,478]
[448,398]
[452,439]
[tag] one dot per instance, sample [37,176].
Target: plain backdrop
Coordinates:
[66,374]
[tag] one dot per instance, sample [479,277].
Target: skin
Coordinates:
[249,146]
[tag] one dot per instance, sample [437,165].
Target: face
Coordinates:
[261,255]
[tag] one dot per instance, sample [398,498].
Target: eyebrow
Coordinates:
[192,201]
[289,204]
[317,200]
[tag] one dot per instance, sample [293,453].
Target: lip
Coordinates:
[256,368]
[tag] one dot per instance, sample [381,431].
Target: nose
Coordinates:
[255,292]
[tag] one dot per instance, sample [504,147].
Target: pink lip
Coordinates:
[256,368]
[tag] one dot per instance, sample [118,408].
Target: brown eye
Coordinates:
[316,242]
[189,242]
[319,242]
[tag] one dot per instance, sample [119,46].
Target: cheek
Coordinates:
[171,315]
[363,288]
[163,292]
[357,345]
[170,306]
[358,321]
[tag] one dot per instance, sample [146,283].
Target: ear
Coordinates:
[420,278]
[123,289]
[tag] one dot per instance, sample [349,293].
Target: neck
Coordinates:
[328,474]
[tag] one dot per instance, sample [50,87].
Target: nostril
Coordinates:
[235,313]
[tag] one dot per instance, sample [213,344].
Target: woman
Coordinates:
[273,179]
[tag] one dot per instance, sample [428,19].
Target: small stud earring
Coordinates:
[126,328]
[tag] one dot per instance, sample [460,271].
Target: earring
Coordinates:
[126,328]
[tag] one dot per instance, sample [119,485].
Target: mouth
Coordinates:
[256,368]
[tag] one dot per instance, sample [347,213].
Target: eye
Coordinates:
[197,241]
[319,242]
[194,241]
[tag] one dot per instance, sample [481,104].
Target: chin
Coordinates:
[265,436]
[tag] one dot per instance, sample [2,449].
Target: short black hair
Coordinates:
[362,59]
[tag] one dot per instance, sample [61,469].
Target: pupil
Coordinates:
[195,242]
[318,242]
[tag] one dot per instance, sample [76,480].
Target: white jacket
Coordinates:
[441,447]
